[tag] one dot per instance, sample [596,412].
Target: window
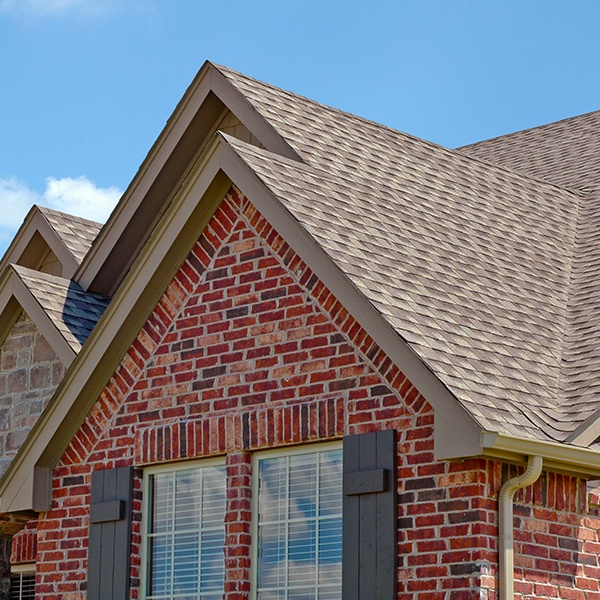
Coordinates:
[298,524]
[185,532]
[22,583]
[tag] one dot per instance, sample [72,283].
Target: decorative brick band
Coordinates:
[24,545]
[261,426]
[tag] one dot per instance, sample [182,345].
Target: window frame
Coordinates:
[148,473]
[275,453]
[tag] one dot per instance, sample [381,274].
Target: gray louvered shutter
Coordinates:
[110,534]
[370,517]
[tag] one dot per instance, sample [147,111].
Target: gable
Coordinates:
[245,350]
[210,101]
[51,242]
[245,334]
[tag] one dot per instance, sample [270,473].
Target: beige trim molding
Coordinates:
[562,458]
[163,172]
[180,227]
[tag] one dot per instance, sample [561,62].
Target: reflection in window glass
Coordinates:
[187,534]
[300,527]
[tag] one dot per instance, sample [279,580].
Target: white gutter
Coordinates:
[506,576]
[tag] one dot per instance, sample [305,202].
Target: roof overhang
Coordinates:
[163,172]
[563,458]
[25,487]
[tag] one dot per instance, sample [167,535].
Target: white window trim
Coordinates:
[274,453]
[147,475]
[28,568]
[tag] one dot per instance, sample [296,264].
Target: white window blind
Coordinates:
[299,553]
[22,586]
[185,534]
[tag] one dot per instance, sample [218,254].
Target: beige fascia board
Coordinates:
[12,289]
[559,457]
[116,330]
[36,222]
[20,241]
[143,287]
[57,245]
[587,432]
[457,434]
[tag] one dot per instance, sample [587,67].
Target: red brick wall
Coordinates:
[246,350]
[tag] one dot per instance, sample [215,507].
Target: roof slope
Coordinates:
[565,152]
[73,311]
[470,263]
[76,233]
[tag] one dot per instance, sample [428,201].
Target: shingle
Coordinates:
[565,152]
[76,233]
[73,311]
[471,263]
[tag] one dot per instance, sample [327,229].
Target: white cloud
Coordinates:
[15,199]
[78,196]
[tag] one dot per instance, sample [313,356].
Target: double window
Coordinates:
[297,523]
[310,541]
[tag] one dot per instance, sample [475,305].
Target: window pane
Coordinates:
[22,586]
[187,534]
[300,526]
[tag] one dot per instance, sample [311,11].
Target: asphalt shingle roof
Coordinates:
[565,152]
[76,233]
[487,273]
[73,311]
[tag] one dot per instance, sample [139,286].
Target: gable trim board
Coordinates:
[168,246]
[164,171]
[457,434]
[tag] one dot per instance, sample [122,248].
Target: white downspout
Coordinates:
[506,575]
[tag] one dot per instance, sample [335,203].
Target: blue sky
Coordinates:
[87,85]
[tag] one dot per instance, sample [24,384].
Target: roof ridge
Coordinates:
[71,217]
[401,134]
[354,116]
[526,176]
[529,129]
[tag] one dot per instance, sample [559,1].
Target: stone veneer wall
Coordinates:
[30,371]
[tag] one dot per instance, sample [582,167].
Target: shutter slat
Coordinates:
[368,520]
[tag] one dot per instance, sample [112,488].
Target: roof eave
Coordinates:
[563,458]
